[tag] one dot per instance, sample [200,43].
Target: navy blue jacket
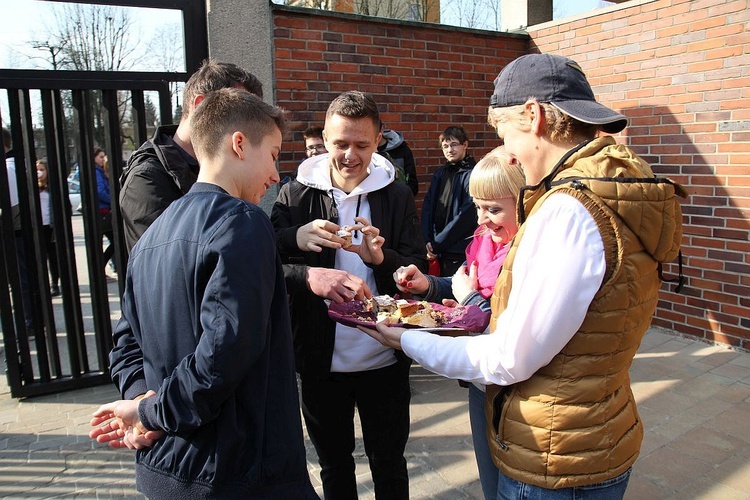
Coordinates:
[462,217]
[205,323]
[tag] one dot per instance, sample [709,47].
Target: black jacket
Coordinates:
[398,152]
[393,212]
[462,216]
[156,175]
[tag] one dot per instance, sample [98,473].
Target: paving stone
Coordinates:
[671,469]
[694,399]
[707,445]
[705,488]
[640,488]
[734,422]
[734,473]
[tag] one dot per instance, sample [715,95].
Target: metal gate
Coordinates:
[56,343]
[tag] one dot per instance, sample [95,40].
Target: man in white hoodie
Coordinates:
[341,368]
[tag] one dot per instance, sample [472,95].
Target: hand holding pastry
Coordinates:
[315,235]
[336,285]
[410,279]
[371,248]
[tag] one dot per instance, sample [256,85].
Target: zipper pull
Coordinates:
[501,444]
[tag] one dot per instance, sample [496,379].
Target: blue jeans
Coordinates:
[611,489]
[488,472]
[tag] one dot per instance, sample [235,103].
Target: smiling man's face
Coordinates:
[351,143]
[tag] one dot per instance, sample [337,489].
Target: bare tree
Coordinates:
[84,37]
[54,53]
[393,9]
[94,37]
[493,20]
[424,10]
[167,54]
[466,13]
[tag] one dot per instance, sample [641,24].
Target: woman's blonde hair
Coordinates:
[560,127]
[494,177]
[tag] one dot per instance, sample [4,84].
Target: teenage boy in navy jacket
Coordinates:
[203,353]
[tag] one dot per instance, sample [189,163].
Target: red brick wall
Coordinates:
[424,77]
[677,68]
[680,70]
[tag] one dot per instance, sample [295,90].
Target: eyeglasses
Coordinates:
[315,147]
[451,145]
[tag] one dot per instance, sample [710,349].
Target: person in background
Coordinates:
[205,358]
[15,208]
[448,217]
[48,235]
[395,149]
[314,141]
[575,296]
[340,368]
[495,184]
[165,168]
[105,206]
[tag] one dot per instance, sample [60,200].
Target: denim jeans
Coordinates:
[487,468]
[381,398]
[611,489]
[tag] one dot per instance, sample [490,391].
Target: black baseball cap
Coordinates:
[558,81]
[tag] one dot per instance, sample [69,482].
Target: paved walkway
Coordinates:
[694,400]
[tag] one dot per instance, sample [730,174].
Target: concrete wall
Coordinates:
[239,32]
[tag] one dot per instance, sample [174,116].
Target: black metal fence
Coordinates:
[55,343]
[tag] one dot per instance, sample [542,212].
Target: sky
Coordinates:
[451,10]
[24,20]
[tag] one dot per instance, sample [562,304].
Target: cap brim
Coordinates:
[594,113]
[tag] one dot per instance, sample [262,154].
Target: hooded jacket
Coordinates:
[574,422]
[398,152]
[461,220]
[157,174]
[311,196]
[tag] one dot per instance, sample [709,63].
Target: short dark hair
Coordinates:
[214,75]
[228,110]
[355,104]
[456,132]
[7,139]
[313,131]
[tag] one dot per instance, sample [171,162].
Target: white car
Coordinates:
[74,194]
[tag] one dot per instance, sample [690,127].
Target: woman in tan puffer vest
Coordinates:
[575,296]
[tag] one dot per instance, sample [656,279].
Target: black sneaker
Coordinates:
[55,290]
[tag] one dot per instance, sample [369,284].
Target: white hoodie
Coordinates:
[353,350]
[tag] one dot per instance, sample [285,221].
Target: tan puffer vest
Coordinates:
[575,422]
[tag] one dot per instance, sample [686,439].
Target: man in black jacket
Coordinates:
[448,214]
[339,367]
[395,149]
[165,168]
